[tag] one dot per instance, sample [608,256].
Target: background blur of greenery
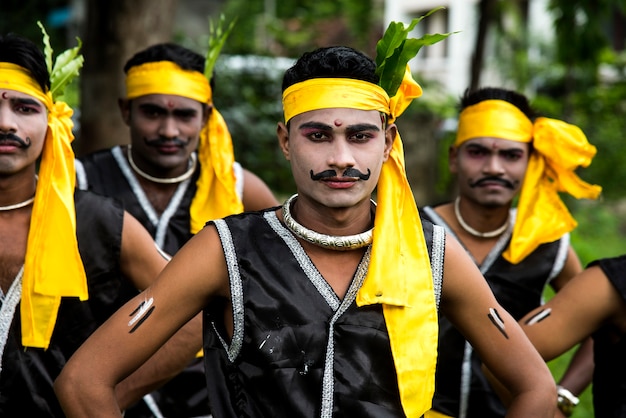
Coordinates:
[580,77]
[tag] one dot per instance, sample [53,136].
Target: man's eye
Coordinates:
[476,152]
[512,156]
[317,136]
[25,109]
[360,137]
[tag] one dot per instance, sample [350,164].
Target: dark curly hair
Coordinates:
[23,52]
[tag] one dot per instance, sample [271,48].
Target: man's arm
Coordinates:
[86,387]
[256,194]
[579,372]
[470,305]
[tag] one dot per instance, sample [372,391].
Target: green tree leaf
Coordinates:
[66,66]
[394,51]
[217,39]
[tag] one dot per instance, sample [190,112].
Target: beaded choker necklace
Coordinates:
[472,231]
[338,243]
[193,162]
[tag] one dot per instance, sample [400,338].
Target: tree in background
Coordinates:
[295,26]
[114,30]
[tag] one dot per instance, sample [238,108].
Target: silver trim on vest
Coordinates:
[436,260]
[236,291]
[161,223]
[303,259]
[7,312]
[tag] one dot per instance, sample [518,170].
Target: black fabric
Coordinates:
[105,178]
[278,372]
[518,288]
[28,374]
[609,377]
[185,394]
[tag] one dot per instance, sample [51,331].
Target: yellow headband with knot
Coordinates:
[216,194]
[399,275]
[559,148]
[52,266]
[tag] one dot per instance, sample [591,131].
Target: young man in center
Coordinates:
[326,306]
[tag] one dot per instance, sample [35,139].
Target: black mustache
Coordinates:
[163,141]
[349,172]
[492,179]
[14,138]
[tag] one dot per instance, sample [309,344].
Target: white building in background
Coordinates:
[449,61]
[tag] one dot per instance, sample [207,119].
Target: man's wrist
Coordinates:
[566,401]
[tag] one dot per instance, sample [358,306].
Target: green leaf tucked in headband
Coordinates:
[394,51]
[66,66]
[217,39]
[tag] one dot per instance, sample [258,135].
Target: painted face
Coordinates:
[336,154]
[490,171]
[164,131]
[23,127]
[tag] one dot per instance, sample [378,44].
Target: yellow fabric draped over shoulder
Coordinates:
[559,148]
[216,195]
[52,267]
[542,217]
[399,275]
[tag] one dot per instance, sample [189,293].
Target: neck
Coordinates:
[337,240]
[190,169]
[17,188]
[487,229]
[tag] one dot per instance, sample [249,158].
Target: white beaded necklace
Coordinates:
[332,242]
[193,162]
[472,231]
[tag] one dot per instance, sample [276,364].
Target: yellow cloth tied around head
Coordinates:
[399,275]
[52,266]
[216,195]
[559,149]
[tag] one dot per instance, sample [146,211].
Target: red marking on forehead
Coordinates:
[4,95]
[338,122]
[170,104]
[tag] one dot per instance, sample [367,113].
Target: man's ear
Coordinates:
[390,136]
[282,132]
[124,105]
[206,113]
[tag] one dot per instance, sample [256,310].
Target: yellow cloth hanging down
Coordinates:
[216,195]
[559,148]
[399,276]
[52,266]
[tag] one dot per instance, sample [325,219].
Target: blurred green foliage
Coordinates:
[248,95]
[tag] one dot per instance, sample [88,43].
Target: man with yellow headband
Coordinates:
[177,173]
[179,170]
[68,259]
[502,151]
[326,306]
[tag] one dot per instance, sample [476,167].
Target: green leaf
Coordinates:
[217,39]
[66,66]
[47,50]
[394,51]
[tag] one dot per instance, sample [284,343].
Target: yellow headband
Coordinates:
[494,118]
[399,275]
[559,149]
[52,266]
[216,194]
[166,77]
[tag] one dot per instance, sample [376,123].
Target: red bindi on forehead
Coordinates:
[338,122]
[170,104]
[5,95]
